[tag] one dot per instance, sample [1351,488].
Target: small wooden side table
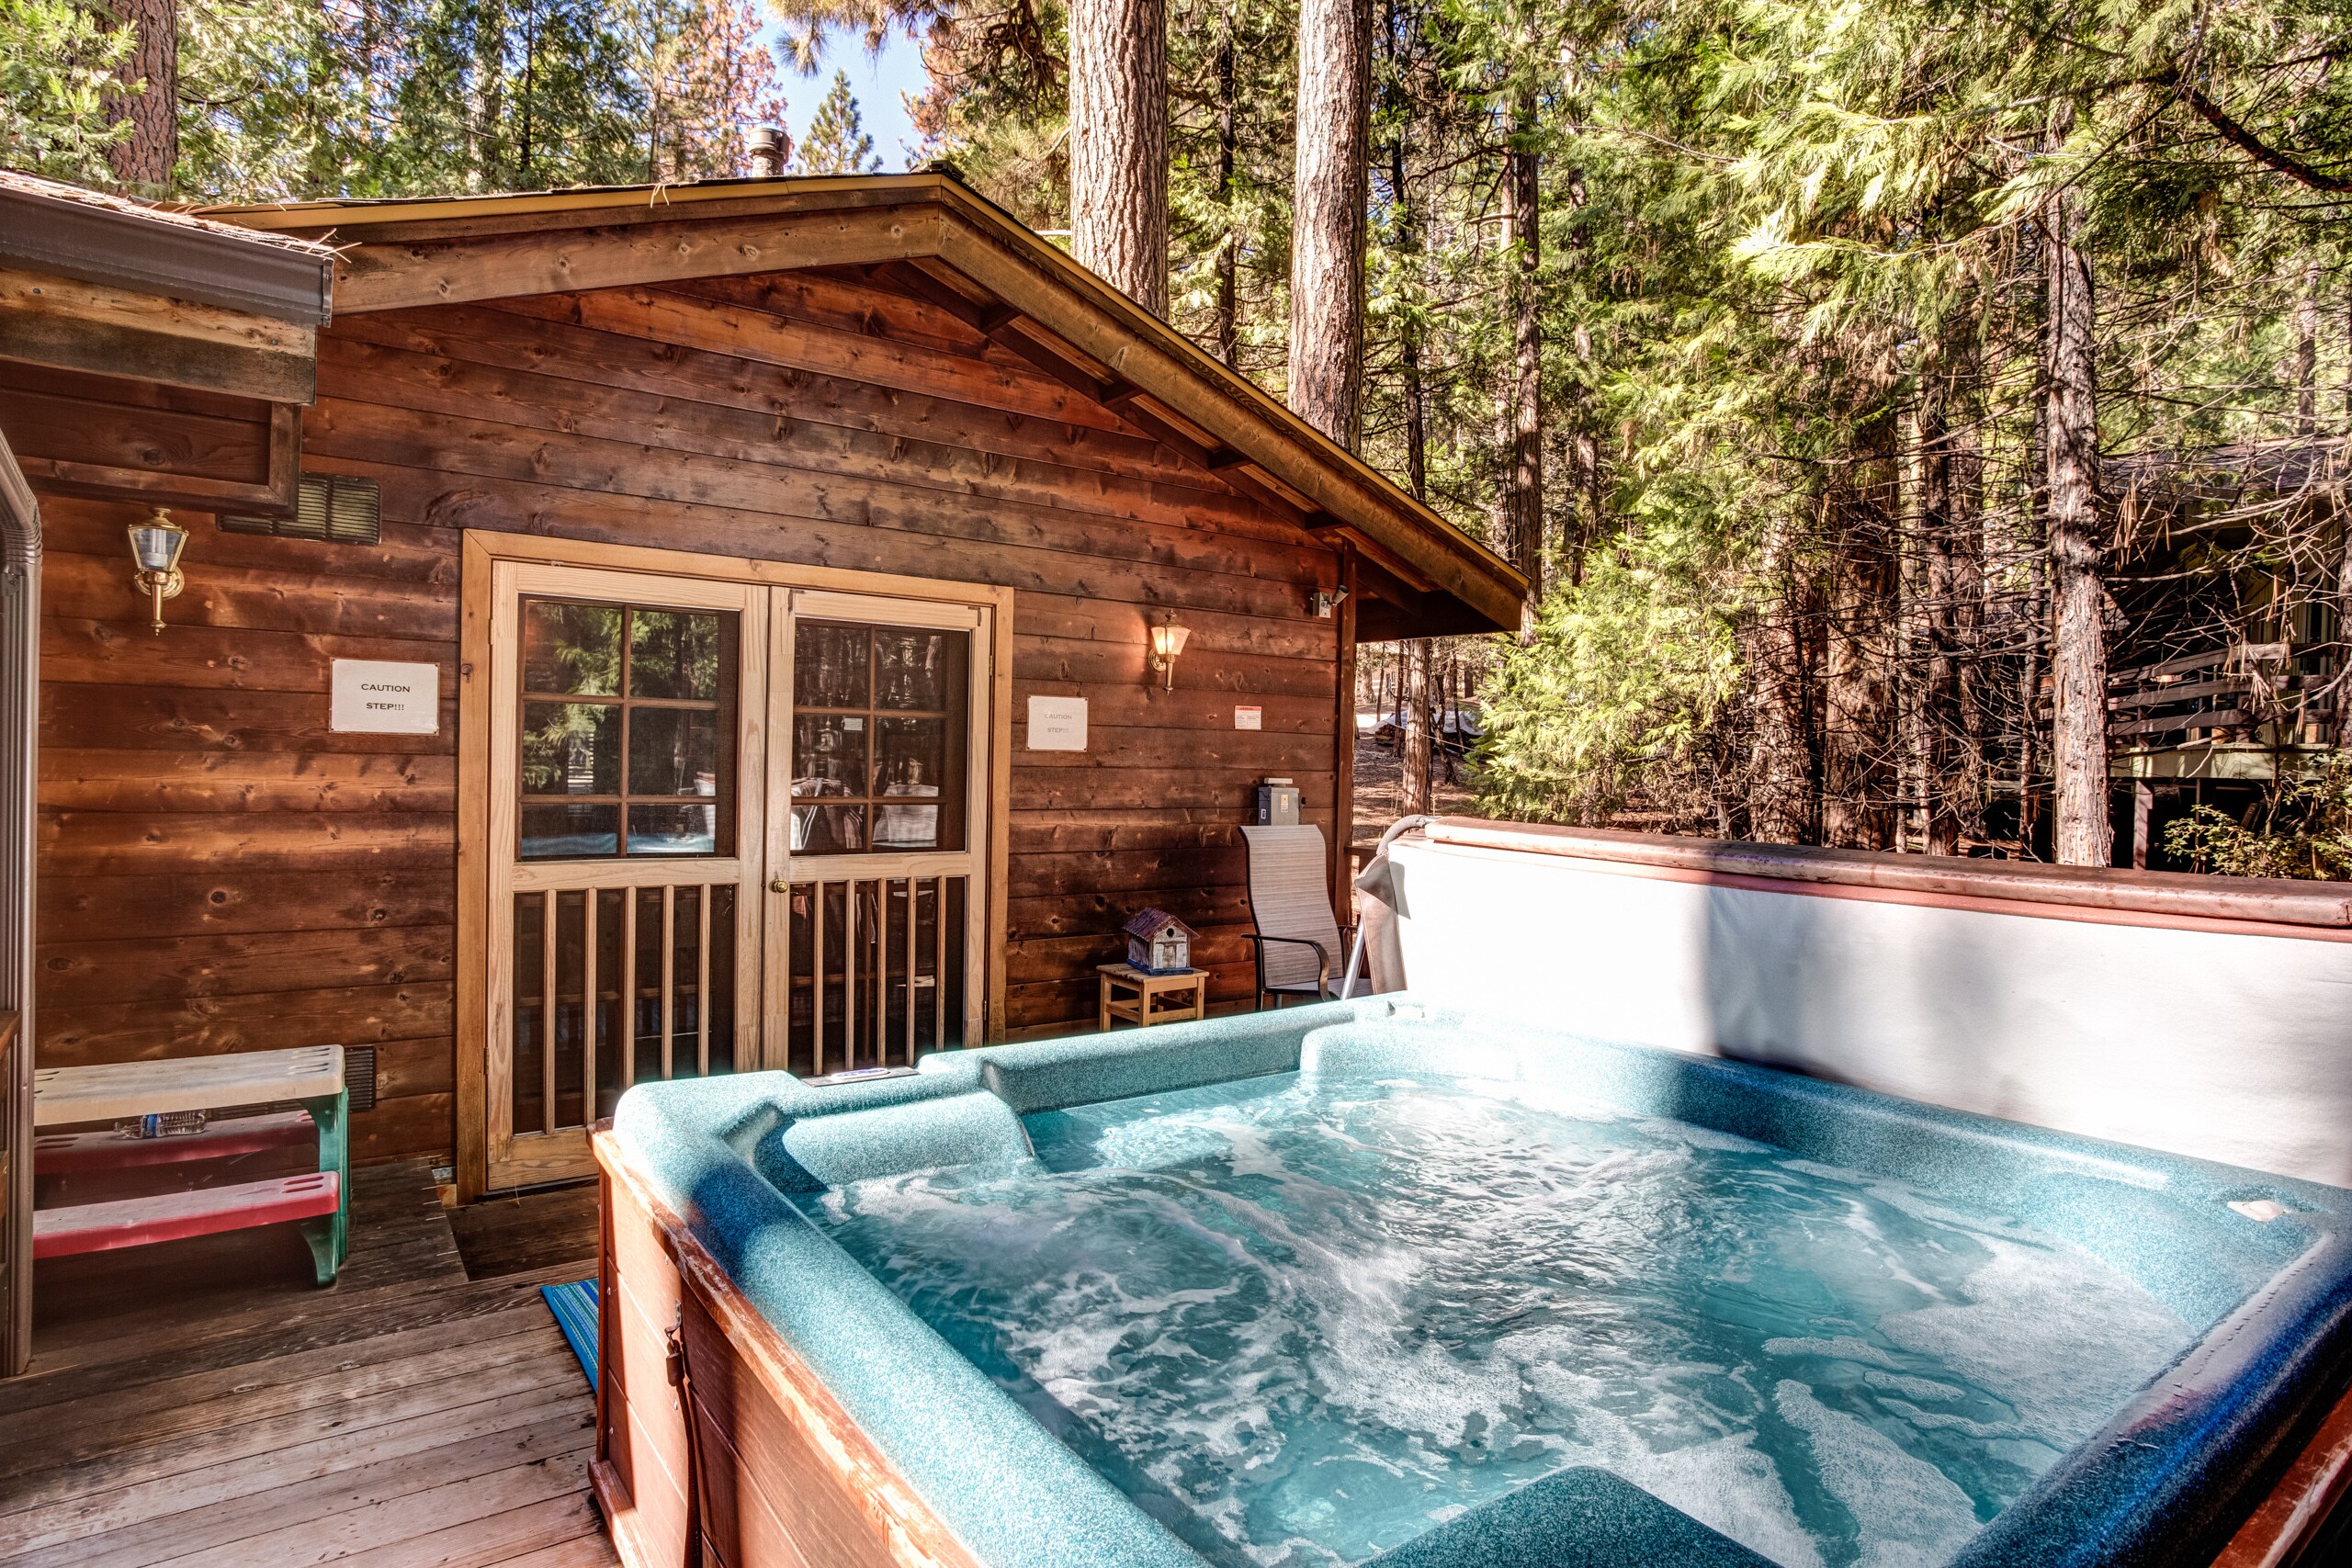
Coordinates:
[1130,996]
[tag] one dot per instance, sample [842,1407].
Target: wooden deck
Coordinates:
[200,1404]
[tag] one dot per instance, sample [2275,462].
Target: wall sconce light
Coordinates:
[1166,642]
[1326,601]
[156,544]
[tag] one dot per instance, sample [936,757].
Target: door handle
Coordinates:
[779,885]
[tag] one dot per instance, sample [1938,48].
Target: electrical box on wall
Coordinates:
[1277,805]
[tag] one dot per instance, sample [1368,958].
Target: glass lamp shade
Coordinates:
[1168,641]
[157,544]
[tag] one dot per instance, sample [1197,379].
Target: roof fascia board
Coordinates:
[172,260]
[374,223]
[104,330]
[394,276]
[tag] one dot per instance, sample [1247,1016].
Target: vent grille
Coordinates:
[335,509]
[360,1077]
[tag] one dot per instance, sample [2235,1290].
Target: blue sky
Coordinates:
[878,83]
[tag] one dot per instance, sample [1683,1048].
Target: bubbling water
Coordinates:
[1301,1320]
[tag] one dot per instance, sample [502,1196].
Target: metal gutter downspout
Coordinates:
[19,740]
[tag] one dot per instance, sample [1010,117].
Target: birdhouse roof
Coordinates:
[1151,922]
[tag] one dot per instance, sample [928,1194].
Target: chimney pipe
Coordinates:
[767,152]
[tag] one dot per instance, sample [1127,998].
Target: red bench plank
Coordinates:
[136,1222]
[78,1154]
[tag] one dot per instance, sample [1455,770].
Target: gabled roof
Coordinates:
[1151,922]
[929,235]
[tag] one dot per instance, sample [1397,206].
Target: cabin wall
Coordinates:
[220,872]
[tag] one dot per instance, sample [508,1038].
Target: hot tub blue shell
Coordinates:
[2163,1483]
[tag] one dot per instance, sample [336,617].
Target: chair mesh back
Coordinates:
[1290,895]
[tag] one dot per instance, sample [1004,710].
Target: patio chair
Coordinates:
[1297,943]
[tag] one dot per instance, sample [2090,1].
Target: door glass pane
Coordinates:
[570,831]
[572,748]
[882,728]
[571,647]
[651,719]
[911,669]
[827,829]
[670,830]
[909,761]
[831,666]
[829,754]
[672,751]
[672,653]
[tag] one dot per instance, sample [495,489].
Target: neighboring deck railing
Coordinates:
[2276,693]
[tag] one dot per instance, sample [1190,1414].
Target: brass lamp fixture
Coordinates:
[156,544]
[1166,642]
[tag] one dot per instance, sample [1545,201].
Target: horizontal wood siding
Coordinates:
[221,872]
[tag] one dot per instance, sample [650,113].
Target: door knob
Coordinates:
[779,885]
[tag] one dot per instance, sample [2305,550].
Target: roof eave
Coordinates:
[203,265]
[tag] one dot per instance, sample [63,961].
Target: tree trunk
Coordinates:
[1860,749]
[1936,586]
[486,93]
[2083,829]
[1524,488]
[1971,608]
[1780,765]
[1327,217]
[1118,145]
[149,75]
[1229,254]
[1413,752]
[2307,352]
[2035,617]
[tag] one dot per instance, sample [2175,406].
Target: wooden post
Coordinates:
[1343,747]
[2144,799]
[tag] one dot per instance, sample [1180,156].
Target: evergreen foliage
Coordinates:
[56,68]
[836,141]
[287,99]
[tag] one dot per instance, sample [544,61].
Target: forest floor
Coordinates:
[1376,777]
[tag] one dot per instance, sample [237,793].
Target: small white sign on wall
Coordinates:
[1057,724]
[377,697]
[1249,718]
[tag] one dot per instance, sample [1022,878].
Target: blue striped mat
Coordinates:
[574,1306]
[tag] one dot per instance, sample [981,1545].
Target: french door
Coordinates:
[731,825]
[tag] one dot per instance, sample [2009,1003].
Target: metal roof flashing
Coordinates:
[66,232]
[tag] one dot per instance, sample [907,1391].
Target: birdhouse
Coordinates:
[1159,943]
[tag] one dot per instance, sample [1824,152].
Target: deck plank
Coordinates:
[406,1417]
[594,1550]
[401,1524]
[531,1396]
[497,1540]
[259,1524]
[237,1339]
[138,1416]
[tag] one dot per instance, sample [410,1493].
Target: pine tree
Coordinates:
[836,141]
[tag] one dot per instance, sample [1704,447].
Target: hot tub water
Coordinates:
[1302,1319]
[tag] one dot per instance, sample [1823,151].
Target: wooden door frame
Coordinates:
[482,552]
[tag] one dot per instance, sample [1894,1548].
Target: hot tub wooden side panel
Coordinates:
[640,1422]
[787,1478]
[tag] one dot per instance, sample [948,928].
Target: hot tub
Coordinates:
[1387,1281]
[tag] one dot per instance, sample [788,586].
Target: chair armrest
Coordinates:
[1322,958]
